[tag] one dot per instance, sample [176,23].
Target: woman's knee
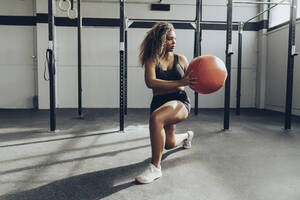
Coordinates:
[155,118]
[169,145]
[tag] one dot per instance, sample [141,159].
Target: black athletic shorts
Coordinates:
[159,100]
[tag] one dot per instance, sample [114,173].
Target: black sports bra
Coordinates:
[176,73]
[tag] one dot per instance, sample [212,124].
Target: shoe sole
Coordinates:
[142,182]
[187,147]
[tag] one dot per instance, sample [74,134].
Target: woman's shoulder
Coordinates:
[182,59]
[150,63]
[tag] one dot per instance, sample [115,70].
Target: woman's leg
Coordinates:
[169,113]
[172,139]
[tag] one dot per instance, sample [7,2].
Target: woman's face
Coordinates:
[171,41]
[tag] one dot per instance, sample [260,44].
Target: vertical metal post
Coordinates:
[79,60]
[239,70]
[200,29]
[51,67]
[268,15]
[122,49]
[229,52]
[290,68]
[197,43]
[126,72]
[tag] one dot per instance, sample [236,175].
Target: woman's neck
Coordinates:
[167,56]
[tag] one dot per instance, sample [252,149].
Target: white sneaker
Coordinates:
[150,174]
[187,144]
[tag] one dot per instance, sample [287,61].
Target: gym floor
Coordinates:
[88,159]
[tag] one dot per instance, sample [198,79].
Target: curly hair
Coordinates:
[154,44]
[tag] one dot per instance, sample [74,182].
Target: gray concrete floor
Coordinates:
[88,159]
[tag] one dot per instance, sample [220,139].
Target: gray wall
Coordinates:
[100,54]
[17,67]
[276,77]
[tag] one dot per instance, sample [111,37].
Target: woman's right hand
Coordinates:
[187,79]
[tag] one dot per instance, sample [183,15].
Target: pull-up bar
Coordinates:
[193,23]
[161,20]
[190,22]
[276,4]
[261,2]
[177,21]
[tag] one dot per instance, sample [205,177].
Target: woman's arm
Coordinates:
[153,82]
[183,62]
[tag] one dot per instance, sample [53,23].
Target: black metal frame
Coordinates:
[279,25]
[228,65]
[122,64]
[51,67]
[124,60]
[268,16]
[197,52]
[126,73]
[290,67]
[197,43]
[79,60]
[239,70]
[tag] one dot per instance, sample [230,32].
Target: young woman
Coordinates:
[165,75]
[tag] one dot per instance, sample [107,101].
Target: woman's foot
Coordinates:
[187,144]
[150,174]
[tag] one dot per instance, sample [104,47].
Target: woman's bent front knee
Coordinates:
[155,118]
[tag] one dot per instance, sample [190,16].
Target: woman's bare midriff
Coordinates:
[162,91]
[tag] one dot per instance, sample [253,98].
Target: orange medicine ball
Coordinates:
[210,72]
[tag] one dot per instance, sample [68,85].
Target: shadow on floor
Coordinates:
[96,133]
[91,186]
[34,124]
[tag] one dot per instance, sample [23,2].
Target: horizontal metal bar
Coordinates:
[264,11]
[261,2]
[178,21]
[161,20]
[133,2]
[218,23]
